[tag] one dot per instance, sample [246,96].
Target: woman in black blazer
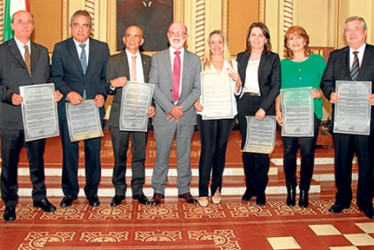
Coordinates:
[259,70]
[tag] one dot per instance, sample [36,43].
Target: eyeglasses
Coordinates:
[178,33]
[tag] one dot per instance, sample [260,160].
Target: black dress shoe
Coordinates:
[67,200]
[45,205]
[117,199]
[247,196]
[157,198]
[336,208]
[10,213]
[261,199]
[291,195]
[142,199]
[369,213]
[304,200]
[94,201]
[188,198]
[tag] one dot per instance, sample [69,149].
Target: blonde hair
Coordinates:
[207,60]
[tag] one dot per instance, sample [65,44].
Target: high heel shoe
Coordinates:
[217,198]
[303,202]
[291,195]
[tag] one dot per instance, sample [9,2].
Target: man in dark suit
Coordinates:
[78,70]
[22,63]
[346,145]
[176,75]
[118,73]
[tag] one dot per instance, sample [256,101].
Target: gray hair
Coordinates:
[81,13]
[356,18]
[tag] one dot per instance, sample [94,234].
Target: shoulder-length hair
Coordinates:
[299,31]
[265,32]
[207,60]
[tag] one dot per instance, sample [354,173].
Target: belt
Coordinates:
[252,93]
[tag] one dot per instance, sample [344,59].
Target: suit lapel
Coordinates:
[91,56]
[347,66]
[13,48]
[74,54]
[35,54]
[145,68]
[124,65]
[365,60]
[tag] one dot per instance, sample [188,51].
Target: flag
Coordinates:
[12,6]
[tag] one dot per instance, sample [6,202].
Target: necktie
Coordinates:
[83,58]
[176,75]
[355,67]
[133,69]
[27,59]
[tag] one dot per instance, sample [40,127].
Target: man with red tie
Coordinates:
[176,75]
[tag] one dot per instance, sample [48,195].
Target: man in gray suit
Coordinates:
[176,75]
[118,73]
[22,63]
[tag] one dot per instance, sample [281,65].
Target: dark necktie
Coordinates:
[27,59]
[83,58]
[176,75]
[355,70]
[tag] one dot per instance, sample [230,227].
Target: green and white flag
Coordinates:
[12,6]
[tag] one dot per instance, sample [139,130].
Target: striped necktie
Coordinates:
[355,70]
[27,59]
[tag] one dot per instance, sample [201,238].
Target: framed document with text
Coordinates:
[83,121]
[260,135]
[298,112]
[352,112]
[39,111]
[136,100]
[216,96]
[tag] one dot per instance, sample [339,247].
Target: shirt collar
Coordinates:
[360,50]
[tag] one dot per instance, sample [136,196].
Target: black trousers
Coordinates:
[346,146]
[12,142]
[70,157]
[256,166]
[120,141]
[214,135]
[307,149]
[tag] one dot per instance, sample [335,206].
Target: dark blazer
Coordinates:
[268,78]
[117,66]
[67,71]
[13,74]
[338,68]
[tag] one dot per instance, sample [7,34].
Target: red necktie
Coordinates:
[176,75]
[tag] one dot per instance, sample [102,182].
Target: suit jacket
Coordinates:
[161,76]
[67,71]
[117,66]
[13,74]
[338,68]
[268,77]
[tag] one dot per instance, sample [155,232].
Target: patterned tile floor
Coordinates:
[175,224]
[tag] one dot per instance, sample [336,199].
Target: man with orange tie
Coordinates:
[22,62]
[176,75]
[128,65]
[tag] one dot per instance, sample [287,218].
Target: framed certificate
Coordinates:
[260,135]
[39,111]
[83,121]
[216,96]
[298,112]
[352,113]
[136,100]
